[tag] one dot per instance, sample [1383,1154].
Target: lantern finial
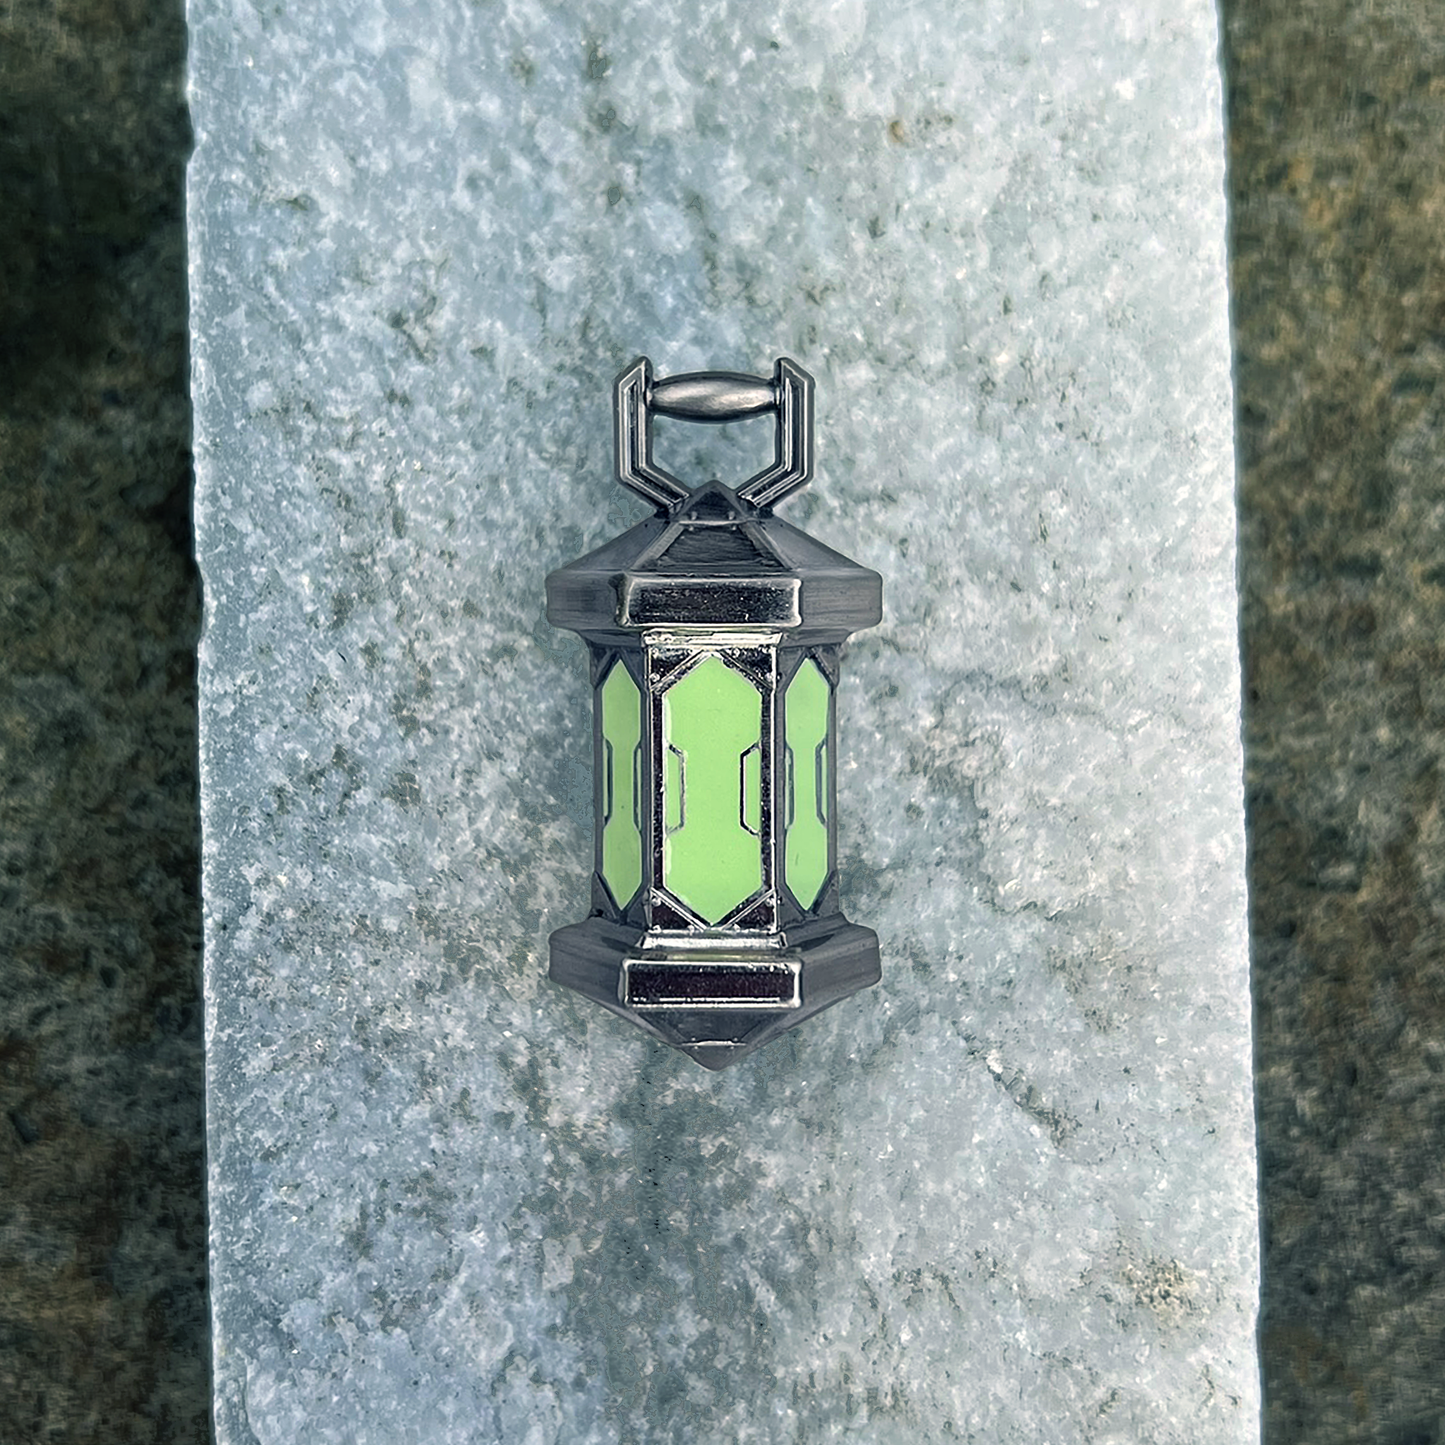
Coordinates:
[714,396]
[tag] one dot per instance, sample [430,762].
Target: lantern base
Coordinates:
[719,996]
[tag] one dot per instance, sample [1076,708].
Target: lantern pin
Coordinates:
[714,630]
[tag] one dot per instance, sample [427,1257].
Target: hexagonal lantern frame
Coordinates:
[715,923]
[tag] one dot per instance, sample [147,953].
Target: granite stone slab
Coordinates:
[1009,1194]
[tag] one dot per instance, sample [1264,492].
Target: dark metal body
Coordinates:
[715,574]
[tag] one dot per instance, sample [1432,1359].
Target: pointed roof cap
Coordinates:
[715,560]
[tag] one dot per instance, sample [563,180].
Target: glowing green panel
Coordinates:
[806,736]
[620,763]
[712,723]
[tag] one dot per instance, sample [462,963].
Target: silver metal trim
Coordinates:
[704,967]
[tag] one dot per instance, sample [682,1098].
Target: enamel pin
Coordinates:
[715,630]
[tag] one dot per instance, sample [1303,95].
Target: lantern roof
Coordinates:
[715,560]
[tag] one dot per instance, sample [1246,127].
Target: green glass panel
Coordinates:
[621,754]
[711,720]
[806,736]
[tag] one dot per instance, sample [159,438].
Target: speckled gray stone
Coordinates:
[1006,1196]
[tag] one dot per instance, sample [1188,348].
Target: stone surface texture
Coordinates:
[1335,108]
[1008,1195]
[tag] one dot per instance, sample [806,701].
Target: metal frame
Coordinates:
[670,658]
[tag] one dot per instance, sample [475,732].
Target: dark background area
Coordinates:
[1336,113]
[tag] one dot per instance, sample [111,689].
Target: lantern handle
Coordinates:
[714,396]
